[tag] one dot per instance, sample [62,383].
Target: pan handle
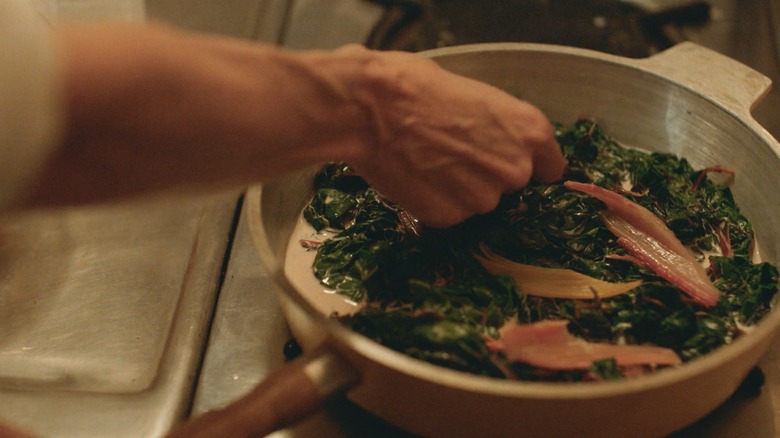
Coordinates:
[288,395]
[728,82]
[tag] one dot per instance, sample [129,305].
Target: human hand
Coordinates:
[148,118]
[447,147]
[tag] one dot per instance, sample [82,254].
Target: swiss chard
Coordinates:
[427,296]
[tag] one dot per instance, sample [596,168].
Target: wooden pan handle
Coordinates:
[288,395]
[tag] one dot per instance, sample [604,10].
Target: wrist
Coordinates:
[345,73]
[386,88]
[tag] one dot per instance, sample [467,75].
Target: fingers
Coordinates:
[470,187]
[548,161]
[442,192]
[444,199]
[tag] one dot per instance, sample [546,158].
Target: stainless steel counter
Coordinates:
[105,312]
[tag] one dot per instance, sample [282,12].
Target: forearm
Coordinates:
[151,108]
[141,103]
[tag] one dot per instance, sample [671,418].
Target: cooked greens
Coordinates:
[426,295]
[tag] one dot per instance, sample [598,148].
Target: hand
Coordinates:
[447,147]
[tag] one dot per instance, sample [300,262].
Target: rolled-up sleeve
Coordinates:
[31,107]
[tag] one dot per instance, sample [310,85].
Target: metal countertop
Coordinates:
[104,313]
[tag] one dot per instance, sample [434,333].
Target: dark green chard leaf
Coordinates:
[606,369]
[330,208]
[425,294]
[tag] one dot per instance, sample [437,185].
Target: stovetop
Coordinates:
[71,260]
[632,29]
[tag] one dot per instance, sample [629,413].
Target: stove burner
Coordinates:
[631,28]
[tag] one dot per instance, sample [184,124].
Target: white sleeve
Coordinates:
[31,104]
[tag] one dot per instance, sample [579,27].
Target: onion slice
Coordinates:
[548,344]
[652,244]
[552,282]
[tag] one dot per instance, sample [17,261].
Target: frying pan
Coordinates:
[687,100]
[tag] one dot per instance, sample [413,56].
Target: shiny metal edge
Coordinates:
[154,410]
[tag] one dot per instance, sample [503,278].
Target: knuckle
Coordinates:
[518,175]
[484,203]
[537,129]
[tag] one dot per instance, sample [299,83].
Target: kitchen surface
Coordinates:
[122,320]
